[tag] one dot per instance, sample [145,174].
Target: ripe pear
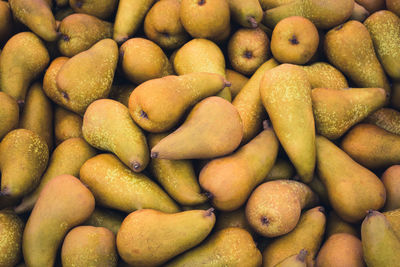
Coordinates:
[386,118]
[49,80]
[337,110]
[9,114]
[248,49]
[11,229]
[359,13]
[286,92]
[248,102]
[372,5]
[130,14]
[297,260]
[393,217]
[109,219]
[324,75]
[240,171]
[115,132]
[89,246]
[37,16]
[391,180]
[67,158]
[268,4]
[236,218]
[177,177]
[63,204]
[88,76]
[66,125]
[237,80]
[307,235]
[23,58]
[228,247]
[246,13]
[212,129]
[80,31]
[282,169]
[158,105]
[274,207]
[348,179]
[381,246]
[6,22]
[145,236]
[23,159]
[115,186]
[348,47]
[372,146]
[335,225]
[394,6]
[102,9]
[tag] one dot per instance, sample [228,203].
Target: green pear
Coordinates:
[236,218]
[102,9]
[387,119]
[282,169]
[393,217]
[390,179]
[247,13]
[145,236]
[216,124]
[337,110]
[336,225]
[49,80]
[11,229]
[297,260]
[6,21]
[9,114]
[106,218]
[343,177]
[381,246]
[238,81]
[108,126]
[23,58]
[115,186]
[286,92]
[66,125]
[159,104]
[232,247]
[324,75]
[359,13]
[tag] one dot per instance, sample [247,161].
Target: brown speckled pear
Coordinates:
[246,13]
[387,119]
[297,260]
[108,126]
[391,180]
[324,75]
[237,80]
[9,114]
[11,229]
[102,9]
[106,218]
[66,125]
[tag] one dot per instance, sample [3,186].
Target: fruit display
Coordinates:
[199,133]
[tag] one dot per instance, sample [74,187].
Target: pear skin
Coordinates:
[335,225]
[9,114]
[387,119]
[246,13]
[236,218]
[238,81]
[142,229]
[359,13]
[11,229]
[282,169]
[297,260]
[391,180]
[372,5]
[66,125]
[6,21]
[394,6]
[393,217]
[212,129]
[102,9]
[324,75]
[106,218]
[49,80]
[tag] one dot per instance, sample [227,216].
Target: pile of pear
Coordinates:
[200,133]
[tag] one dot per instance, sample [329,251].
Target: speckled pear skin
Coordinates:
[108,126]
[22,59]
[9,114]
[228,247]
[88,76]
[158,105]
[37,16]
[89,246]
[67,158]
[247,13]
[64,203]
[106,218]
[344,177]
[143,228]
[23,159]
[115,186]
[324,75]
[296,260]
[349,48]
[274,207]
[11,229]
[307,235]
[387,119]
[286,95]
[49,80]
[80,31]
[102,9]
[67,124]
[336,111]
[393,217]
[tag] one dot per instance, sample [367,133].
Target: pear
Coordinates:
[109,219]
[372,5]
[348,47]
[88,76]
[49,80]
[341,250]
[237,80]
[285,91]
[9,114]
[394,6]
[268,4]
[337,110]
[130,14]
[395,98]
[335,225]
[387,119]
[241,171]
[326,16]
[142,229]
[23,159]
[307,235]
[115,186]
[143,60]
[297,260]
[319,188]
[359,13]
[343,177]
[228,247]
[246,13]
[80,31]
[37,16]
[236,218]
[6,22]
[159,104]
[248,102]
[324,75]
[23,58]
[37,114]
[115,132]
[212,129]
[274,207]
[393,217]
[63,203]
[282,169]
[89,246]
[66,125]
[177,177]
[121,93]
[102,9]
[11,229]
[381,246]
[248,49]
[390,179]
[67,158]
[163,26]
